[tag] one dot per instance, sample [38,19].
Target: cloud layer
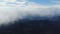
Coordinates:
[12,10]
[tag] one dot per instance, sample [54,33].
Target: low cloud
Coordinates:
[11,12]
[38,9]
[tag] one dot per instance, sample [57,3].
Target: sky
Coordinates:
[42,2]
[10,10]
[45,1]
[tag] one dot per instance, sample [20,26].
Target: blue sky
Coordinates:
[44,2]
[39,1]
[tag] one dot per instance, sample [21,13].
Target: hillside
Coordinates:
[27,26]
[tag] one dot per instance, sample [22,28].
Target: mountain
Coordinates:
[27,26]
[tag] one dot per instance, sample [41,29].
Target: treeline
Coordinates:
[26,26]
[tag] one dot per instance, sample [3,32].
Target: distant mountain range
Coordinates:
[33,25]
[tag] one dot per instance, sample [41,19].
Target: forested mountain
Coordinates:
[35,26]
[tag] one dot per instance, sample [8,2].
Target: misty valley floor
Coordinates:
[26,26]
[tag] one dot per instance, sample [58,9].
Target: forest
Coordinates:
[34,25]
